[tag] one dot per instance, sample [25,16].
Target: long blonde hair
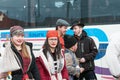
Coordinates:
[24,50]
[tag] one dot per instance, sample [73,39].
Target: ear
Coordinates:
[59,27]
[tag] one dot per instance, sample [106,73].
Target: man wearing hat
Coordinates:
[61,27]
[86,51]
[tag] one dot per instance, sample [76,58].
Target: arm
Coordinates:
[92,50]
[113,56]
[3,75]
[44,74]
[71,64]
[34,70]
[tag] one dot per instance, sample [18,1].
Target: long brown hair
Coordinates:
[46,48]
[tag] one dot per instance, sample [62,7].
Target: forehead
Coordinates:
[75,27]
[52,37]
[18,35]
[62,27]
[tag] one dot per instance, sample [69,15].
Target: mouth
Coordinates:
[53,44]
[19,41]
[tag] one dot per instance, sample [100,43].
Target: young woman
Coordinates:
[23,50]
[51,62]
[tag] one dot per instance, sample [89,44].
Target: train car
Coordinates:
[101,19]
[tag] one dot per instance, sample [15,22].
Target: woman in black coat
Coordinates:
[23,51]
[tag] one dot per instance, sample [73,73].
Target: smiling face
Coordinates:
[52,41]
[18,39]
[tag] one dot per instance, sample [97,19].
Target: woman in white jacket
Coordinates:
[113,55]
[3,76]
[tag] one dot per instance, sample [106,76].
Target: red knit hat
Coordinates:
[52,33]
[16,30]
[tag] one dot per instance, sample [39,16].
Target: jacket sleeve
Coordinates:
[69,64]
[92,50]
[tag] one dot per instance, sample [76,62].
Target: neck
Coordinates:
[52,50]
[18,47]
[59,34]
[72,49]
[79,34]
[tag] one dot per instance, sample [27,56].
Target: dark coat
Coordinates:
[86,49]
[33,70]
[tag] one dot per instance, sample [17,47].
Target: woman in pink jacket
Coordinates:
[51,62]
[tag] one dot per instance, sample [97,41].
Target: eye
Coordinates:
[53,39]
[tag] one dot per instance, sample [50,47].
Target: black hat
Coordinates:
[77,23]
[61,22]
[69,41]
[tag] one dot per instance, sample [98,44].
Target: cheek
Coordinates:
[56,42]
[22,39]
[75,47]
[13,39]
[65,29]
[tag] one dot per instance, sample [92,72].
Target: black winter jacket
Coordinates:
[33,70]
[86,49]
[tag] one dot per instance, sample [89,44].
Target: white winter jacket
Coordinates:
[113,54]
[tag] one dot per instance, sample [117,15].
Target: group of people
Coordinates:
[62,57]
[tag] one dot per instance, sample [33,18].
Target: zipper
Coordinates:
[82,47]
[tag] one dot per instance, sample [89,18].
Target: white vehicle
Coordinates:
[100,33]
[101,19]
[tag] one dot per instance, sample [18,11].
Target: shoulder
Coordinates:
[66,51]
[39,53]
[89,39]
[115,36]
[29,44]
[62,52]
[114,39]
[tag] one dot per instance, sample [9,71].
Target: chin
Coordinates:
[53,46]
[19,44]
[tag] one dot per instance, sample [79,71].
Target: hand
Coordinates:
[82,60]
[82,69]
[77,75]
[3,75]
[118,78]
